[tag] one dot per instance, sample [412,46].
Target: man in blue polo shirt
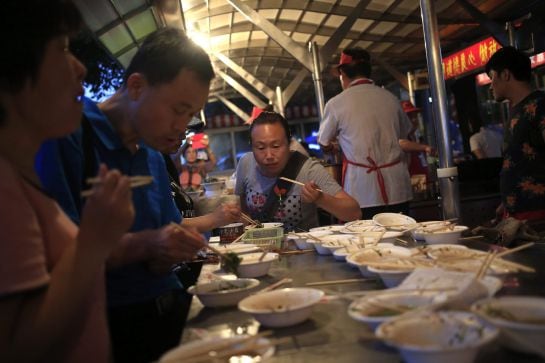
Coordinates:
[166,83]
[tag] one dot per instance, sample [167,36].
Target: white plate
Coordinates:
[393,220]
[186,350]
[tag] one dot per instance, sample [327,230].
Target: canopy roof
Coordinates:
[258,45]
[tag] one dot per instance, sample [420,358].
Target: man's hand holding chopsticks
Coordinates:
[173,244]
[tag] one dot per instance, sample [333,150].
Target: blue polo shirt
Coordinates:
[60,165]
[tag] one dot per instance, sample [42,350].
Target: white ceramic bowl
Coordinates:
[446,337]
[521,320]
[417,233]
[391,278]
[223,292]
[341,253]
[300,240]
[184,352]
[461,288]
[250,266]
[334,228]
[272,224]
[376,309]
[390,236]
[312,242]
[358,229]
[214,186]
[239,248]
[195,196]
[303,242]
[281,308]
[336,242]
[443,236]
[321,249]
[393,220]
[361,258]
[468,260]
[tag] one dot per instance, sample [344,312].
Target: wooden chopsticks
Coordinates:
[135,182]
[487,262]
[297,182]
[516,249]
[338,282]
[248,219]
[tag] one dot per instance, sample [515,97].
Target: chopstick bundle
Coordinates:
[135,182]
[297,182]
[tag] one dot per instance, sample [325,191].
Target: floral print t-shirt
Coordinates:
[522,179]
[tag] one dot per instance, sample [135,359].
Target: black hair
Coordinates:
[27,26]
[360,65]
[270,118]
[184,148]
[513,60]
[163,55]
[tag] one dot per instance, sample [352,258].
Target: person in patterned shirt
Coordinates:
[522,178]
[257,180]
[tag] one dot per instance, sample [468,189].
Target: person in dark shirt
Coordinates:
[522,178]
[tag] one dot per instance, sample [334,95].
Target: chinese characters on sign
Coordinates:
[470,58]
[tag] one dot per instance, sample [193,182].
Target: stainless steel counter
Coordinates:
[331,335]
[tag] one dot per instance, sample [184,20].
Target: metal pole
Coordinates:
[511,33]
[410,82]
[279,101]
[317,78]
[203,118]
[447,173]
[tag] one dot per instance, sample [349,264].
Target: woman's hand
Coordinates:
[310,192]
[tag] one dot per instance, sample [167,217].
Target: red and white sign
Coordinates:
[470,58]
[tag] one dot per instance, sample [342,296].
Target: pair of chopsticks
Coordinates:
[135,182]
[516,249]
[487,262]
[493,255]
[297,182]
[277,284]
[248,219]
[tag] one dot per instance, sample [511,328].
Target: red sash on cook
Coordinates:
[372,166]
